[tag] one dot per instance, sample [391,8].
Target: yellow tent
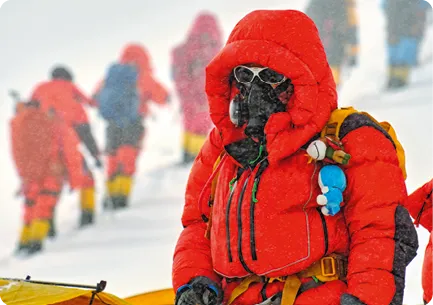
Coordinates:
[20,292]
[159,297]
[26,292]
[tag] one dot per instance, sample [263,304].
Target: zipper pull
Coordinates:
[255,186]
[232,182]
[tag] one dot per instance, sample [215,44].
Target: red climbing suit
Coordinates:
[283,233]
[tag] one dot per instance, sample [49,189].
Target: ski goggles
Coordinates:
[246,75]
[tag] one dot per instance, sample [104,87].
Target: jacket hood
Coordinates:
[288,42]
[138,55]
[205,24]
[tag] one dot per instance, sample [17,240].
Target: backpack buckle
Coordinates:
[327,264]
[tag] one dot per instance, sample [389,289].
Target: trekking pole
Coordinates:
[98,288]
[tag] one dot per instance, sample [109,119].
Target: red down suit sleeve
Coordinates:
[192,255]
[419,205]
[383,238]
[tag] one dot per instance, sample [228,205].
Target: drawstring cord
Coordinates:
[259,156]
[208,182]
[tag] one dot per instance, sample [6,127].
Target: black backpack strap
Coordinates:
[357,120]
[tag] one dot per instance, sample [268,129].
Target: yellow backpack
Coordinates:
[338,116]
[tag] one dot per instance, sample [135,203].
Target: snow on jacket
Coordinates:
[419,205]
[284,233]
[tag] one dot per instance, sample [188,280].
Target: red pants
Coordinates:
[41,198]
[123,147]
[123,161]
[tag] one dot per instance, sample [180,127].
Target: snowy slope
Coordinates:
[133,249]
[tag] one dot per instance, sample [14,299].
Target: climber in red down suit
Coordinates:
[188,68]
[45,153]
[419,205]
[253,231]
[61,95]
[124,141]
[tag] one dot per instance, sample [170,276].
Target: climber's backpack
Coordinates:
[118,98]
[32,137]
[339,116]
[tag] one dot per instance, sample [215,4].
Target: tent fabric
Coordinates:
[22,292]
[159,297]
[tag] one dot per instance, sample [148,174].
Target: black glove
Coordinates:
[347,299]
[199,291]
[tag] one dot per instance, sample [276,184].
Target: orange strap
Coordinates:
[290,290]
[243,286]
[329,268]
[291,287]
[215,174]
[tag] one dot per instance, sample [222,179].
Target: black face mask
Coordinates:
[254,104]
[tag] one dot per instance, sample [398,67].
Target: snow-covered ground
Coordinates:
[133,249]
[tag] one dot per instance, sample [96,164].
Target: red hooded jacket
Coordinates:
[283,232]
[419,205]
[67,101]
[189,62]
[65,98]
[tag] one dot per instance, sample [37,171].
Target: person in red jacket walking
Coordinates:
[253,230]
[189,62]
[45,152]
[419,205]
[124,141]
[61,95]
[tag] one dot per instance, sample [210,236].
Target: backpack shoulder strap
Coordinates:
[212,193]
[347,119]
[338,116]
[215,179]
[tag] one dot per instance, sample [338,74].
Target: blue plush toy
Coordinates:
[332,182]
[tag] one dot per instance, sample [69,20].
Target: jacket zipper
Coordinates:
[262,167]
[239,216]
[252,221]
[325,230]
[229,202]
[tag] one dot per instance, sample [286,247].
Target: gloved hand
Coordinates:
[199,291]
